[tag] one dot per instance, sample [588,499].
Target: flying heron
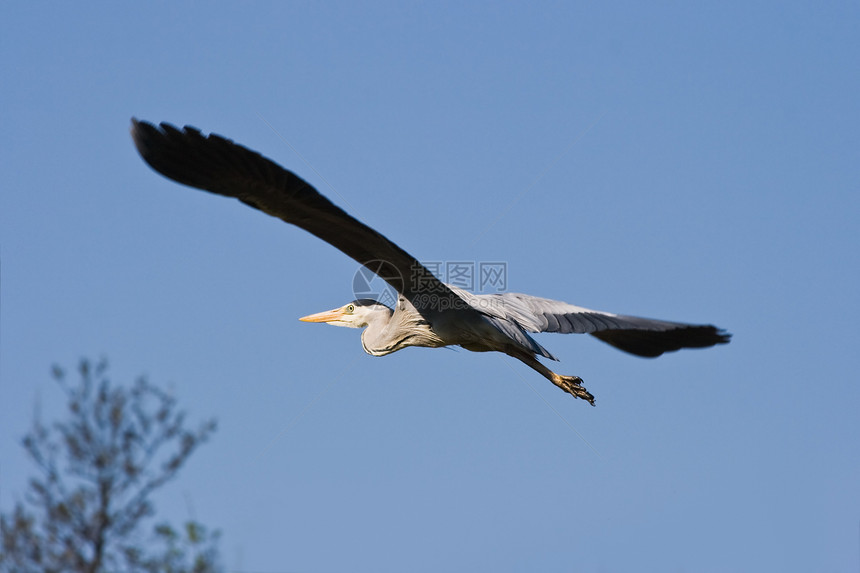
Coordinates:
[427,312]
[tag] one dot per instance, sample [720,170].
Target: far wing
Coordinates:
[641,336]
[218,165]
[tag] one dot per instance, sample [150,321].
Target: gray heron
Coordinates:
[427,312]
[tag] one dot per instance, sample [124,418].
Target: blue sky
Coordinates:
[692,163]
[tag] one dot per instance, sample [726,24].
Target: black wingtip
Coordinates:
[653,343]
[184,155]
[133,130]
[717,336]
[144,134]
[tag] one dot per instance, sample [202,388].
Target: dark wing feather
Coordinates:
[641,336]
[218,165]
[651,343]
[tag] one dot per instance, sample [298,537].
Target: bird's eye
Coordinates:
[350,308]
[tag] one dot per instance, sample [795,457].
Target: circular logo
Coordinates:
[367,282]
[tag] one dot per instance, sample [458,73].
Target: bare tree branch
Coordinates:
[97,470]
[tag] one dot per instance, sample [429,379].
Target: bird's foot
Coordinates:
[573,385]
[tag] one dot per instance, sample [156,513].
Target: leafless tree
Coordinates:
[89,507]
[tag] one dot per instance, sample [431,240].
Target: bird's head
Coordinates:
[356,314]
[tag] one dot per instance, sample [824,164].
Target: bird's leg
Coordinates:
[570,384]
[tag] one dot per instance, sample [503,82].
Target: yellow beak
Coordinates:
[326,316]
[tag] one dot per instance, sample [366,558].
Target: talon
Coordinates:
[570,384]
[573,386]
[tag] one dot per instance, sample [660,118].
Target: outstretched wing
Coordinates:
[218,165]
[641,336]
